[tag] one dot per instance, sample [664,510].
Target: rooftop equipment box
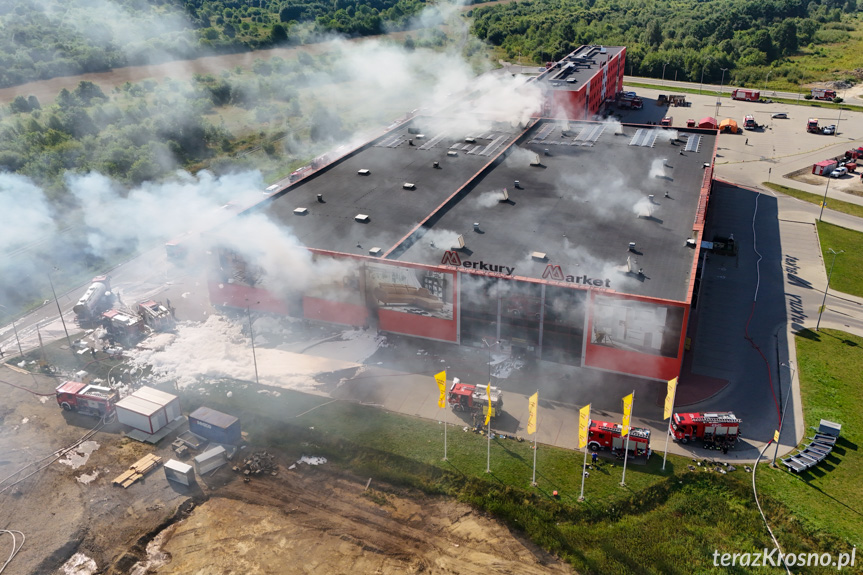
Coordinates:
[148,409]
[210,460]
[215,426]
[179,472]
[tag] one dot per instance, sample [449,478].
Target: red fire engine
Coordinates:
[473,398]
[715,429]
[86,399]
[605,435]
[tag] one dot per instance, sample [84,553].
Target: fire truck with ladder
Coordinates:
[86,398]
[473,398]
[605,435]
[716,429]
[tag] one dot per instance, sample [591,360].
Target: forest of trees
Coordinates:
[40,40]
[685,36]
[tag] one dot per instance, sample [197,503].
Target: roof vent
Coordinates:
[364,172]
[452,153]
[535,161]
[650,198]
[504,195]
[362,218]
[629,264]
[375,252]
[321,199]
[459,242]
[470,140]
[541,256]
[301,211]
[409,186]
[632,246]
[476,226]
[436,165]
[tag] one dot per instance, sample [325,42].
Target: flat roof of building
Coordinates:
[372,182]
[583,205]
[578,67]
[584,200]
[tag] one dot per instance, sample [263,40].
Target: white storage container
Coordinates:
[141,414]
[179,472]
[169,401]
[210,460]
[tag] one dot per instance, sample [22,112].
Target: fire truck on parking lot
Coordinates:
[715,429]
[85,398]
[473,398]
[605,435]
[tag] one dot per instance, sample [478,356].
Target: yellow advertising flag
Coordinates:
[627,414]
[583,425]
[669,398]
[488,406]
[531,412]
[776,436]
[440,378]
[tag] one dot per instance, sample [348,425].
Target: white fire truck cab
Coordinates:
[715,429]
[605,435]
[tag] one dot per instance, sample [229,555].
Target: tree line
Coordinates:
[684,39]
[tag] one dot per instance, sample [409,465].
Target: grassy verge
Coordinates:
[661,522]
[827,498]
[835,205]
[848,271]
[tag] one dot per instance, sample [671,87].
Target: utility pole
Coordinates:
[829,276]
[59,311]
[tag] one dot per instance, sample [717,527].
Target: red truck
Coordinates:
[85,398]
[823,94]
[749,123]
[812,126]
[605,435]
[625,102]
[745,95]
[716,429]
[666,122]
[473,398]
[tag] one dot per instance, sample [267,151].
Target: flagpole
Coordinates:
[626,446]
[584,465]
[668,431]
[488,450]
[445,414]
[535,429]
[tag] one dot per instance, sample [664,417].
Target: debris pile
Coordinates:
[257,463]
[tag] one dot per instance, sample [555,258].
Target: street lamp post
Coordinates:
[15,329]
[719,98]
[824,201]
[252,336]
[784,407]
[663,73]
[765,80]
[59,311]
[829,275]
[839,119]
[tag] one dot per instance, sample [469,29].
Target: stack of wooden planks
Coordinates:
[138,470]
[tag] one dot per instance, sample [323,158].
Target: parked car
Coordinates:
[829,130]
[839,172]
[271,189]
[780,116]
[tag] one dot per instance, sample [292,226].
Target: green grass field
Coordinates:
[827,499]
[848,271]
[835,205]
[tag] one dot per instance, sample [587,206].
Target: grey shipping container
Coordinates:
[179,472]
[215,426]
[210,460]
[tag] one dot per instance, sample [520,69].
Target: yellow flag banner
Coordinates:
[627,414]
[583,425]
[776,436]
[531,412]
[488,406]
[440,378]
[669,398]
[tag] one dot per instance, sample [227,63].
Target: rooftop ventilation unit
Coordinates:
[301,211]
[364,172]
[650,198]
[535,161]
[375,252]
[409,186]
[629,264]
[504,195]
[632,246]
[470,140]
[321,198]
[459,242]
[451,153]
[436,165]
[540,256]
[362,218]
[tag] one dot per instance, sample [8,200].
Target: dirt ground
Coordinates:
[310,519]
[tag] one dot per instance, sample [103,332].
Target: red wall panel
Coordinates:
[335,312]
[410,324]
